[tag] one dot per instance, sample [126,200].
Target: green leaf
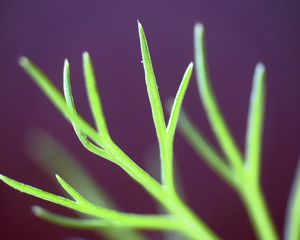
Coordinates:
[175,111]
[209,101]
[292,222]
[182,219]
[155,223]
[71,107]
[52,157]
[68,222]
[205,150]
[55,96]
[165,146]
[93,95]
[77,206]
[255,123]
[39,193]
[152,89]
[126,219]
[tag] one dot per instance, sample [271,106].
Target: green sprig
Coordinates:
[241,172]
[255,123]
[179,218]
[52,157]
[165,134]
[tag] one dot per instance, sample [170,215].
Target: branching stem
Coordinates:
[193,226]
[258,212]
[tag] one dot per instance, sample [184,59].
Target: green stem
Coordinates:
[256,206]
[167,167]
[192,226]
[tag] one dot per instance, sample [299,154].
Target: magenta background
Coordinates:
[239,33]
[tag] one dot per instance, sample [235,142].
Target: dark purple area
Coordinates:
[238,34]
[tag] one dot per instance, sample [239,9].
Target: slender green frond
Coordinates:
[38,193]
[155,223]
[165,145]
[71,107]
[251,196]
[68,222]
[55,96]
[53,158]
[139,221]
[77,206]
[88,209]
[175,112]
[292,222]
[255,123]
[205,150]
[152,89]
[93,95]
[210,104]
[71,191]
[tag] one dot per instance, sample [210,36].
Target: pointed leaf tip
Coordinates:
[36,210]
[260,67]
[139,24]
[85,55]
[199,27]
[23,61]
[259,73]
[140,28]
[4,179]
[59,179]
[66,62]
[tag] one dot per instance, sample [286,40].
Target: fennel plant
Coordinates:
[240,171]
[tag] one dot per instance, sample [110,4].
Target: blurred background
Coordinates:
[238,35]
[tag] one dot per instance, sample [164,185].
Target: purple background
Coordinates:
[238,33]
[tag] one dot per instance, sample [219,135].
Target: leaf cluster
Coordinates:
[241,171]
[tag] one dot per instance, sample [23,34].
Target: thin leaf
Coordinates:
[125,162]
[71,107]
[137,220]
[56,97]
[205,150]
[77,206]
[178,101]
[254,202]
[39,193]
[152,89]
[84,224]
[71,191]
[87,209]
[216,119]
[255,123]
[155,223]
[48,153]
[93,95]
[165,146]
[292,222]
